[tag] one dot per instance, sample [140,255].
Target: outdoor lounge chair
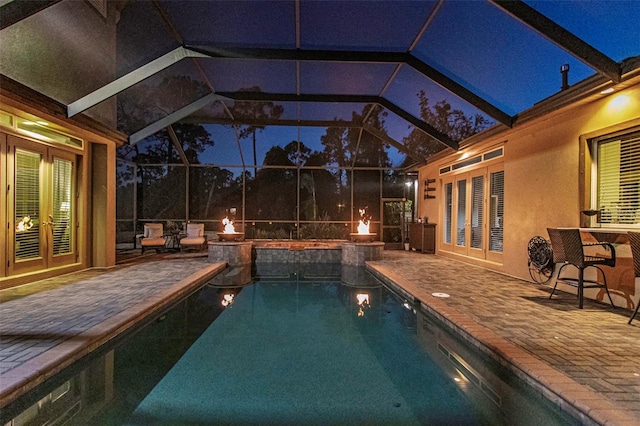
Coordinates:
[153,237]
[634,240]
[568,249]
[195,238]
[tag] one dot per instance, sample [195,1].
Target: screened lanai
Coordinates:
[292,116]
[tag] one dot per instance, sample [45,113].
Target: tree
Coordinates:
[144,104]
[253,112]
[444,118]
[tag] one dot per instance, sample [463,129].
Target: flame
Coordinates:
[363,228]
[363,225]
[362,298]
[228,226]
[227,299]
[363,303]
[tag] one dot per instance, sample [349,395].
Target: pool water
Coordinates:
[305,349]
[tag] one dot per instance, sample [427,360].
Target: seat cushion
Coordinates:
[191,241]
[152,242]
[195,230]
[153,230]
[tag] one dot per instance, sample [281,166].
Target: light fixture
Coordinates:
[607,91]
[227,299]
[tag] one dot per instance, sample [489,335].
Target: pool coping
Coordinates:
[582,403]
[25,377]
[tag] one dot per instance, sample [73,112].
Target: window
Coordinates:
[617,168]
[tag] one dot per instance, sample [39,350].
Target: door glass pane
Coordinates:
[461,213]
[448,213]
[62,180]
[496,211]
[27,205]
[477,211]
[392,221]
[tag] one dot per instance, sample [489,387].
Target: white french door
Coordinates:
[472,213]
[41,206]
[468,208]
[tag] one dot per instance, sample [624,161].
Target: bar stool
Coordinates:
[568,249]
[634,240]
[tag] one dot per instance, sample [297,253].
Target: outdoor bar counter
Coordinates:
[621,278]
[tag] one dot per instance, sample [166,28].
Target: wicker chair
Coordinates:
[568,249]
[634,240]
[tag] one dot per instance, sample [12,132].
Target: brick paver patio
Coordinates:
[591,357]
[594,346]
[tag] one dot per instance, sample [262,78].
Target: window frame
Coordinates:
[589,170]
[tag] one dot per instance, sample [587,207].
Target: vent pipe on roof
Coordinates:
[564,70]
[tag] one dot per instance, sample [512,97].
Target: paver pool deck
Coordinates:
[588,360]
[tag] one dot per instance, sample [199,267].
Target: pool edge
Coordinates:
[582,403]
[37,370]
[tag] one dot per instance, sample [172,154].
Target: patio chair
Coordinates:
[195,238]
[568,249]
[153,237]
[634,240]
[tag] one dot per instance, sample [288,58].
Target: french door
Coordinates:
[469,214]
[472,213]
[41,206]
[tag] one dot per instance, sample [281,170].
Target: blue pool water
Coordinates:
[297,347]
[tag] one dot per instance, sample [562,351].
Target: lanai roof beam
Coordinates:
[561,37]
[173,118]
[362,56]
[126,81]
[283,97]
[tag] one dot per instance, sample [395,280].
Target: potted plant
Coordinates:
[173,227]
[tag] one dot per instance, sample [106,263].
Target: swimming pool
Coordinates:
[317,345]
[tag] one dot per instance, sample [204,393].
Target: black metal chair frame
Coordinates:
[568,249]
[634,241]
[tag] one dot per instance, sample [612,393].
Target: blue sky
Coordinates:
[473,42]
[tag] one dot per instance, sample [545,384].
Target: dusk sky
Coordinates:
[475,43]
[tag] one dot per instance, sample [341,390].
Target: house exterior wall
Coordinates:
[545,172]
[64,70]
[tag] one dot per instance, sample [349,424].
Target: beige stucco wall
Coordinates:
[541,170]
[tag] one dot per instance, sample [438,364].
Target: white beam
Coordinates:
[134,77]
[174,117]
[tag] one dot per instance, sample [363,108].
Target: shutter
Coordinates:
[62,204]
[477,211]
[496,209]
[27,204]
[618,165]
[461,218]
[448,205]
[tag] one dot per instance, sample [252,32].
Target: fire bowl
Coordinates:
[228,236]
[361,238]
